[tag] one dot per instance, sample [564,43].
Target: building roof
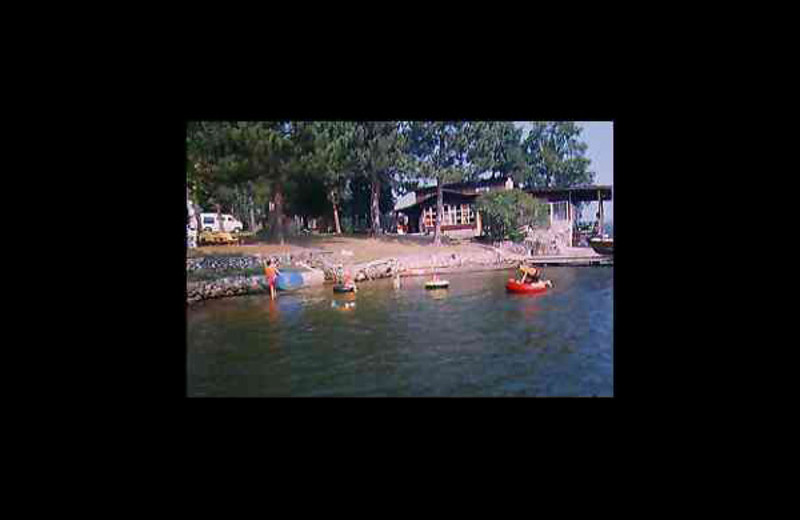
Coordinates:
[584,193]
[462,185]
[407,200]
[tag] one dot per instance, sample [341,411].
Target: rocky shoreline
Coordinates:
[319,269]
[225,287]
[222,263]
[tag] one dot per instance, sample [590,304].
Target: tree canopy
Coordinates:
[555,157]
[260,170]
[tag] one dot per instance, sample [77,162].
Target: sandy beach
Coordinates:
[347,249]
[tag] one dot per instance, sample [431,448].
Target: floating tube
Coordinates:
[343,306]
[527,288]
[437,284]
[341,288]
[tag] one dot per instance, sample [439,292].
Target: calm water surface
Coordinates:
[473,339]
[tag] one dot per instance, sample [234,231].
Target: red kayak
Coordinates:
[526,288]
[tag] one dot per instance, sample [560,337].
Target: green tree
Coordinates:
[273,150]
[440,151]
[378,152]
[334,160]
[277,152]
[196,167]
[358,202]
[555,156]
[256,158]
[496,150]
[505,213]
[214,164]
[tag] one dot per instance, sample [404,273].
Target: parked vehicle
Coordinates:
[210,222]
[218,238]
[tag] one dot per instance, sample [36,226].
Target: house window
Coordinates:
[448,215]
[463,214]
[429,217]
[467,214]
[560,210]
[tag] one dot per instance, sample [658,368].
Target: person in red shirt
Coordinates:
[272,274]
[348,281]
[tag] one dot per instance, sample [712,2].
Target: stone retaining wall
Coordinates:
[240,285]
[422,264]
[223,287]
[321,269]
[227,263]
[550,241]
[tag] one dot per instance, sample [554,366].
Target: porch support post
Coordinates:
[600,200]
[569,216]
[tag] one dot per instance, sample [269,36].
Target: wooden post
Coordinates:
[569,217]
[600,200]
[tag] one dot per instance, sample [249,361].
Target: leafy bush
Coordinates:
[503,213]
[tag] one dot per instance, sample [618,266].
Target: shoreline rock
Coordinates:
[320,269]
[197,291]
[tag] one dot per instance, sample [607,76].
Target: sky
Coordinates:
[599,135]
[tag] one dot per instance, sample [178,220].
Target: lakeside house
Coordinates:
[416,211]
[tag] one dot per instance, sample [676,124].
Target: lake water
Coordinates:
[473,339]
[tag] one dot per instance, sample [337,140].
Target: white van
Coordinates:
[209,223]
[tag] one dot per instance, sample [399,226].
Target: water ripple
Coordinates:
[473,339]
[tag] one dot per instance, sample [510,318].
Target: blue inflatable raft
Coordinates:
[289,281]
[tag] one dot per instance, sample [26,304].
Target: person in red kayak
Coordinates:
[272,274]
[530,274]
[533,275]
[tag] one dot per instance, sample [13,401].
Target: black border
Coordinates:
[169,357]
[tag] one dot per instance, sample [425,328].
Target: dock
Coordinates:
[570,260]
[575,256]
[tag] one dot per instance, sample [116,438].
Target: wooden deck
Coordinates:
[576,256]
[570,260]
